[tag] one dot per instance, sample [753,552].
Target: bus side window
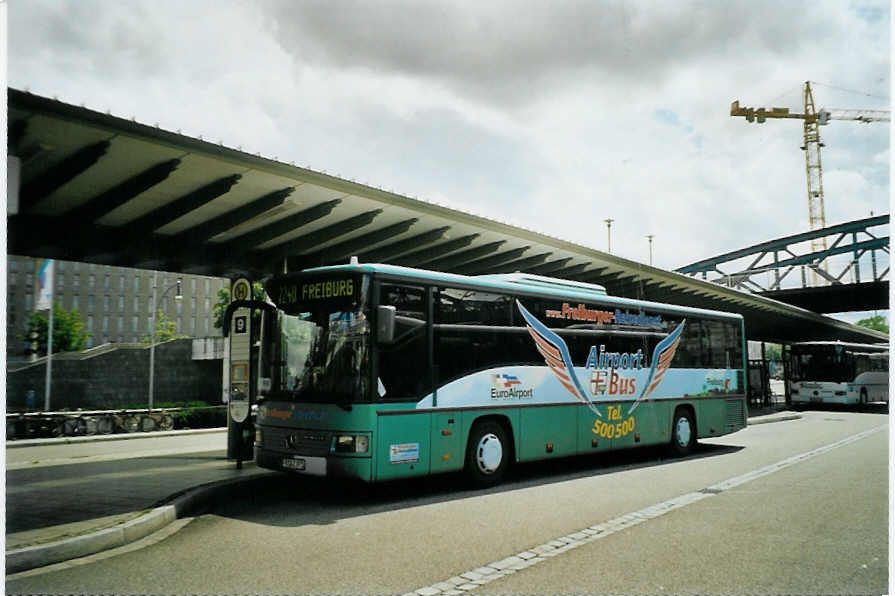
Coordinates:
[709,344]
[472,333]
[862,364]
[689,352]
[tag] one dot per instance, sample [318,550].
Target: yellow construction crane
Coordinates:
[813,119]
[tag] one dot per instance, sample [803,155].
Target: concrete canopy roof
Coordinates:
[101,189]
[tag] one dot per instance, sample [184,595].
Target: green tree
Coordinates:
[69,334]
[224,300]
[221,307]
[773,352]
[165,329]
[877,322]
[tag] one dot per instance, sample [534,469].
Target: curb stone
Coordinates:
[772,418]
[31,557]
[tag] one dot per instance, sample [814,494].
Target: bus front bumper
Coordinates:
[332,466]
[824,397]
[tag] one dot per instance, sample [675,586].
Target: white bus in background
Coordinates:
[834,372]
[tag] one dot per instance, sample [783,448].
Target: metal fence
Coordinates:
[35,425]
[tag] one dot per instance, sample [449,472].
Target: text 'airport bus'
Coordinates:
[378,372]
[833,372]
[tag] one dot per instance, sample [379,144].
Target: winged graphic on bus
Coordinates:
[663,354]
[556,355]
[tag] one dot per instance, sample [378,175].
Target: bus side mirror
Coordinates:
[385,317]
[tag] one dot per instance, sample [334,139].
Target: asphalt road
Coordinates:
[788,507]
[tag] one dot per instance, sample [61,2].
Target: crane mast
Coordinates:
[812,120]
[811,147]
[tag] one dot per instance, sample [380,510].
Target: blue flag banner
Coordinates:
[45,285]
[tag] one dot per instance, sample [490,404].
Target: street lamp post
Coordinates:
[650,238]
[177,296]
[609,235]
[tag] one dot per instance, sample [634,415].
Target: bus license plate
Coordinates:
[294,463]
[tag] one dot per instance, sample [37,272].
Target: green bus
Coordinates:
[378,372]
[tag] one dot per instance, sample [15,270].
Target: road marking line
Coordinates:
[473,580]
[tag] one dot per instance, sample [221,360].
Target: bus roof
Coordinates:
[523,283]
[844,344]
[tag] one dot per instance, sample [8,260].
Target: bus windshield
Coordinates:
[320,356]
[822,364]
[317,347]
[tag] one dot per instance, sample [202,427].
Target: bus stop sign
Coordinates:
[240,354]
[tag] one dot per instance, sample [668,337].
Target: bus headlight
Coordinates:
[351,444]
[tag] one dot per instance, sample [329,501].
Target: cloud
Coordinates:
[554,115]
[514,53]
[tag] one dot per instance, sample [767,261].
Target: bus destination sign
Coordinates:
[292,293]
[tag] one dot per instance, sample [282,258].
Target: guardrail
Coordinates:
[34,425]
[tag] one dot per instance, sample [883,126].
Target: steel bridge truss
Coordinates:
[772,262]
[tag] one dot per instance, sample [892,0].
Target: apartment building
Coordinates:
[115,303]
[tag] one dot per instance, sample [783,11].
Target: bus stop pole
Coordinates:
[48,382]
[239,404]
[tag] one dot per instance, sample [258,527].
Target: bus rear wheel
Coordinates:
[487,454]
[683,432]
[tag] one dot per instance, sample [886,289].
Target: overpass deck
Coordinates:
[101,189]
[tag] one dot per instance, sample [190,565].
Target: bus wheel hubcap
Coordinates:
[683,431]
[489,453]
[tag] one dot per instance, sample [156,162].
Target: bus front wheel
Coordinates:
[487,454]
[683,432]
[863,396]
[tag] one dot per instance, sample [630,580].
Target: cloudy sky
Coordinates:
[552,115]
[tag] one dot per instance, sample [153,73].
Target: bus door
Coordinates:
[407,437]
[785,357]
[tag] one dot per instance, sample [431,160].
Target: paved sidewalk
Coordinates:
[44,497]
[59,511]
